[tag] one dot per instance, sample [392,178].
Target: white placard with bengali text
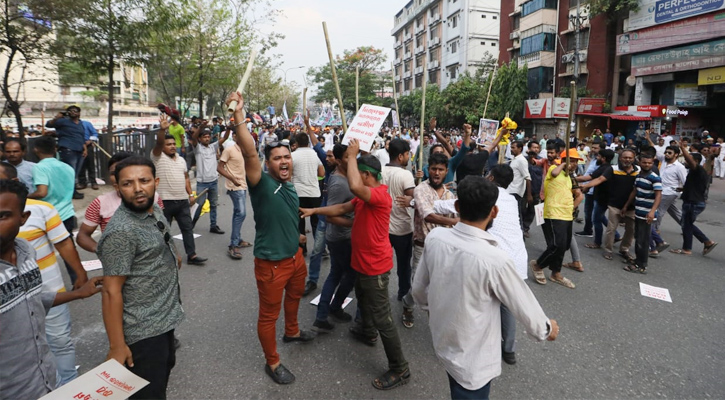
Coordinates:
[108,381]
[655,292]
[539,212]
[91,265]
[366,125]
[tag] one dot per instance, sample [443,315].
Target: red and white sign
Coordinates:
[561,107]
[366,125]
[538,109]
[655,292]
[655,111]
[590,105]
[108,381]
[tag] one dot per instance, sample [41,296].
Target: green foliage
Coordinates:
[97,95]
[73,73]
[611,8]
[581,91]
[369,60]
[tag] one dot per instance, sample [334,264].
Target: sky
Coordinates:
[350,24]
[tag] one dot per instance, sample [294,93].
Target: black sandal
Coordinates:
[391,380]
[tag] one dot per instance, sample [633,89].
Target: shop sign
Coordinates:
[654,12]
[590,105]
[558,107]
[655,111]
[561,107]
[690,95]
[711,76]
[675,112]
[691,30]
[683,58]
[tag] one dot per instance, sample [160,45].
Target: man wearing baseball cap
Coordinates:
[71,139]
[561,200]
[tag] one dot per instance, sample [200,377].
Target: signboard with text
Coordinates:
[561,107]
[689,95]
[711,76]
[366,125]
[655,111]
[590,105]
[537,109]
[654,12]
[683,58]
[690,30]
[108,381]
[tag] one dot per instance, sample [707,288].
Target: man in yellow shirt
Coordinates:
[561,200]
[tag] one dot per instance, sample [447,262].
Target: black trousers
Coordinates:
[403,246]
[558,239]
[529,213]
[309,202]
[88,168]
[181,210]
[70,224]
[642,233]
[153,359]
[522,210]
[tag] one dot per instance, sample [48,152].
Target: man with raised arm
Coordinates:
[207,176]
[279,266]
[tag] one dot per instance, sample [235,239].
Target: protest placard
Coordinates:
[396,122]
[487,131]
[654,292]
[366,125]
[108,381]
[539,213]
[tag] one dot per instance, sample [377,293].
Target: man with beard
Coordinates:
[15,154]
[620,183]
[673,175]
[141,293]
[589,194]
[600,198]
[279,266]
[646,198]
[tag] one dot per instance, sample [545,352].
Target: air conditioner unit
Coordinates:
[514,35]
[567,58]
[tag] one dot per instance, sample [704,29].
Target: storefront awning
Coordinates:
[600,115]
[630,117]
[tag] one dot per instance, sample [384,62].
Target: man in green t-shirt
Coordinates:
[178,132]
[279,265]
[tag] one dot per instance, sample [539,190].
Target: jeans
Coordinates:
[589,213]
[403,246]
[642,231]
[153,360]
[70,224]
[309,202]
[341,276]
[88,167]
[508,330]
[668,204]
[71,157]
[277,280]
[239,202]
[318,250]
[57,332]
[615,217]
[599,220]
[212,195]
[558,239]
[180,210]
[690,211]
[655,239]
[408,301]
[459,392]
[372,296]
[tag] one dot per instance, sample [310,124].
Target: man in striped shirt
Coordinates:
[646,197]
[45,232]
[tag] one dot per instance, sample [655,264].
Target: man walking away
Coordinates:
[308,168]
[521,185]
[462,281]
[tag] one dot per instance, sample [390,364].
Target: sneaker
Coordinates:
[234,253]
[662,247]
[309,287]
[216,229]
[584,234]
[340,315]
[322,326]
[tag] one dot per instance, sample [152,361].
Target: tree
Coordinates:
[368,59]
[26,39]
[509,92]
[612,8]
[111,31]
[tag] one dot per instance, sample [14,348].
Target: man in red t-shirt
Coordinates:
[372,259]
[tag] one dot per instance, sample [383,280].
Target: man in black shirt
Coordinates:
[473,163]
[600,197]
[693,203]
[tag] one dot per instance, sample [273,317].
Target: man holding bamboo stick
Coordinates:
[279,266]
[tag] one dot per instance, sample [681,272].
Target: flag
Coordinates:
[284,112]
[396,123]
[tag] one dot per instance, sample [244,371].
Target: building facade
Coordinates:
[452,36]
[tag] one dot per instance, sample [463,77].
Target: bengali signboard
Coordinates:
[711,76]
[366,125]
[696,56]
[561,107]
[537,109]
[672,34]
[654,12]
[591,105]
[689,95]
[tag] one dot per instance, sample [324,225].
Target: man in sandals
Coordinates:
[372,259]
[279,266]
[559,207]
[462,280]
[646,198]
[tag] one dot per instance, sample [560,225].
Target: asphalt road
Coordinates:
[614,343]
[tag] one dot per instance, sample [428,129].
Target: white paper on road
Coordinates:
[91,265]
[108,381]
[539,212]
[366,125]
[316,300]
[655,292]
[196,235]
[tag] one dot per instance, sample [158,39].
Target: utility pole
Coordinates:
[577,21]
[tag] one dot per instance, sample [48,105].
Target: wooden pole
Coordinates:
[569,120]
[395,96]
[334,77]
[304,102]
[357,88]
[490,84]
[422,112]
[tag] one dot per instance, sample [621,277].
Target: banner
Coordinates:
[284,112]
[537,109]
[487,130]
[689,95]
[712,76]
[676,33]
[366,125]
[653,12]
[396,122]
[683,58]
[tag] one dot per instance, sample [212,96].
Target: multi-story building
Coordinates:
[452,36]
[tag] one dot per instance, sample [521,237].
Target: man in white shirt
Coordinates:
[307,168]
[673,175]
[329,140]
[521,185]
[207,177]
[400,182]
[462,280]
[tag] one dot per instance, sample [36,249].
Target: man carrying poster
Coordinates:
[366,125]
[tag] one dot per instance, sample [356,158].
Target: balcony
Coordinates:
[434,19]
[407,37]
[408,55]
[397,78]
[529,58]
[434,42]
[419,29]
[398,60]
[419,49]
[418,70]
[433,64]
[398,43]
[406,75]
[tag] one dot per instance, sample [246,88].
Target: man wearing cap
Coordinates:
[71,139]
[558,216]
[207,176]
